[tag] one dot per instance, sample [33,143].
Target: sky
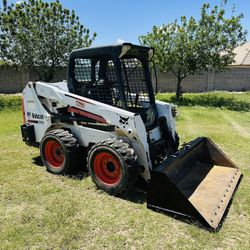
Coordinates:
[127,19]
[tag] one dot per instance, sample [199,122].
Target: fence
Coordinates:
[234,79]
[13,80]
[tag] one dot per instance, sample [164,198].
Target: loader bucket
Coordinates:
[198,181]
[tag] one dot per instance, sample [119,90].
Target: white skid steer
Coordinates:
[106,115]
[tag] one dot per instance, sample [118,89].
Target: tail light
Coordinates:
[23,111]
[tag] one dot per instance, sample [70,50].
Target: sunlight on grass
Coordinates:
[239,101]
[44,211]
[10,101]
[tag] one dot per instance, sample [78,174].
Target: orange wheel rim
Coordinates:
[54,154]
[107,168]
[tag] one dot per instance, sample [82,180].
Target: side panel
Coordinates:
[165,109]
[34,112]
[85,135]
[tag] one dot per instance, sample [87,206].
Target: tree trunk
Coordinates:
[47,73]
[178,89]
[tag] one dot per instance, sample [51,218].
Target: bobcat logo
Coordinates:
[124,120]
[35,116]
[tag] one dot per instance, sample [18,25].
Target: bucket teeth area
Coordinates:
[213,194]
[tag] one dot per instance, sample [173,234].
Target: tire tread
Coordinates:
[127,154]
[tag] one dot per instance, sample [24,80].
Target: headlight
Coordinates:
[174,111]
[150,53]
[125,49]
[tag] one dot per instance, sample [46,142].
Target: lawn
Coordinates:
[39,210]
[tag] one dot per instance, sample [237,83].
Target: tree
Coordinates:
[191,47]
[40,35]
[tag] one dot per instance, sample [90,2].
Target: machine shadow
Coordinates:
[77,176]
[136,195]
[139,195]
[38,161]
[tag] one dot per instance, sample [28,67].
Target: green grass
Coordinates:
[237,101]
[227,100]
[39,210]
[10,101]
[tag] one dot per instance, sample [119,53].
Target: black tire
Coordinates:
[177,141]
[59,150]
[112,166]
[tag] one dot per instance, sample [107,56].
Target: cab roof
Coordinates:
[110,50]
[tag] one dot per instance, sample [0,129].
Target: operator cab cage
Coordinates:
[118,75]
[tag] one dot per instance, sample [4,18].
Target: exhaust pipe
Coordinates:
[198,181]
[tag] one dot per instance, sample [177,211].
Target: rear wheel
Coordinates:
[112,166]
[58,151]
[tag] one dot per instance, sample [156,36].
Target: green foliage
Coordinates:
[225,100]
[10,102]
[3,64]
[40,35]
[187,47]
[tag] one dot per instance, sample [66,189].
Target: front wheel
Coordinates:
[112,166]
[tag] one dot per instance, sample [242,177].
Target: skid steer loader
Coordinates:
[106,115]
